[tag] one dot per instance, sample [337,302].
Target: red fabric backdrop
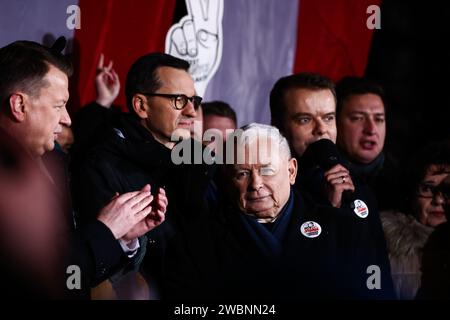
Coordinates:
[332,37]
[123,31]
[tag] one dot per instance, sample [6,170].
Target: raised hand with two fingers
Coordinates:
[107,83]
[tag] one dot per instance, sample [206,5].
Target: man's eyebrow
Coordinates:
[330,114]
[301,114]
[357,112]
[240,168]
[367,113]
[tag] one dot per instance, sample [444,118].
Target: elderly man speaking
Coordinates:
[266,240]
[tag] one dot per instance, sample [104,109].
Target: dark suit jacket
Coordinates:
[367,237]
[217,259]
[127,159]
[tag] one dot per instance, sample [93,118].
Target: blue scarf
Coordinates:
[269,242]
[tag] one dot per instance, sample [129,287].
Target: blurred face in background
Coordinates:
[432,197]
[217,122]
[362,127]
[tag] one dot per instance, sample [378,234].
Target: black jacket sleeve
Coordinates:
[97,253]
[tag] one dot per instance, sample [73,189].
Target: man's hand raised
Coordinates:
[107,83]
[338,180]
[154,219]
[125,211]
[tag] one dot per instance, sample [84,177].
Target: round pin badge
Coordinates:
[361,209]
[311,229]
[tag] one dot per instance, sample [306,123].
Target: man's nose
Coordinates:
[370,127]
[65,118]
[255,181]
[189,110]
[320,128]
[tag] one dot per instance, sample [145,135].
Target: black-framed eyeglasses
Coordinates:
[429,191]
[179,100]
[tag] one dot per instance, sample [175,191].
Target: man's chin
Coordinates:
[183,133]
[367,157]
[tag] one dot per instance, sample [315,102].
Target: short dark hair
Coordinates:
[349,86]
[303,80]
[142,76]
[219,108]
[23,66]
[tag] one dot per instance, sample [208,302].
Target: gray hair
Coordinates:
[254,131]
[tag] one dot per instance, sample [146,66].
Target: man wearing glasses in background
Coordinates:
[162,101]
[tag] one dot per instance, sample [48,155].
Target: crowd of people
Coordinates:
[309,207]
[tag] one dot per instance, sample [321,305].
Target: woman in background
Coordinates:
[408,227]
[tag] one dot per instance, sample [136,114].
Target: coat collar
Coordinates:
[131,141]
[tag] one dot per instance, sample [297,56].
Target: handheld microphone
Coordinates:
[324,154]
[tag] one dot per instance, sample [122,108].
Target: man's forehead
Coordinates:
[169,76]
[57,84]
[310,101]
[252,165]
[305,92]
[366,102]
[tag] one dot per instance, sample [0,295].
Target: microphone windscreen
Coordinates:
[322,153]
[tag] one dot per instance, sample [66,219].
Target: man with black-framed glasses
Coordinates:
[179,101]
[166,100]
[162,104]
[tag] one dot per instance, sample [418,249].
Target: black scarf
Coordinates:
[368,172]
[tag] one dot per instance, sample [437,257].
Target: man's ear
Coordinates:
[292,168]
[17,107]
[140,106]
